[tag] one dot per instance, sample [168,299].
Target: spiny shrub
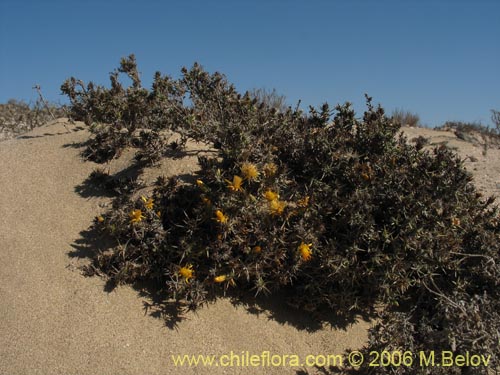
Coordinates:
[341,212]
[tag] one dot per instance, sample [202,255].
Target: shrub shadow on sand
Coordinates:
[92,243]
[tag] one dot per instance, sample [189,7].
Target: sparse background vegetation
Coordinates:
[405,118]
[17,117]
[271,98]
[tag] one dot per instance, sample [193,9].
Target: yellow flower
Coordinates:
[366,172]
[187,272]
[220,217]
[236,184]
[455,221]
[257,249]
[365,176]
[205,200]
[276,207]
[271,195]
[270,169]
[220,279]
[200,183]
[249,171]
[148,203]
[304,202]
[136,216]
[100,219]
[305,251]
[158,213]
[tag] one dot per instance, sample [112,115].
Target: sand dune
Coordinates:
[482,162]
[53,320]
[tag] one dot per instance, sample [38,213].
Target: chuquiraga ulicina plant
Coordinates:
[341,212]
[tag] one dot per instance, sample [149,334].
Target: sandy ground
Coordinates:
[53,320]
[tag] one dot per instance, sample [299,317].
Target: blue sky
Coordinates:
[439,59]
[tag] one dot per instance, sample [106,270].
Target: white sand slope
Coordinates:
[53,320]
